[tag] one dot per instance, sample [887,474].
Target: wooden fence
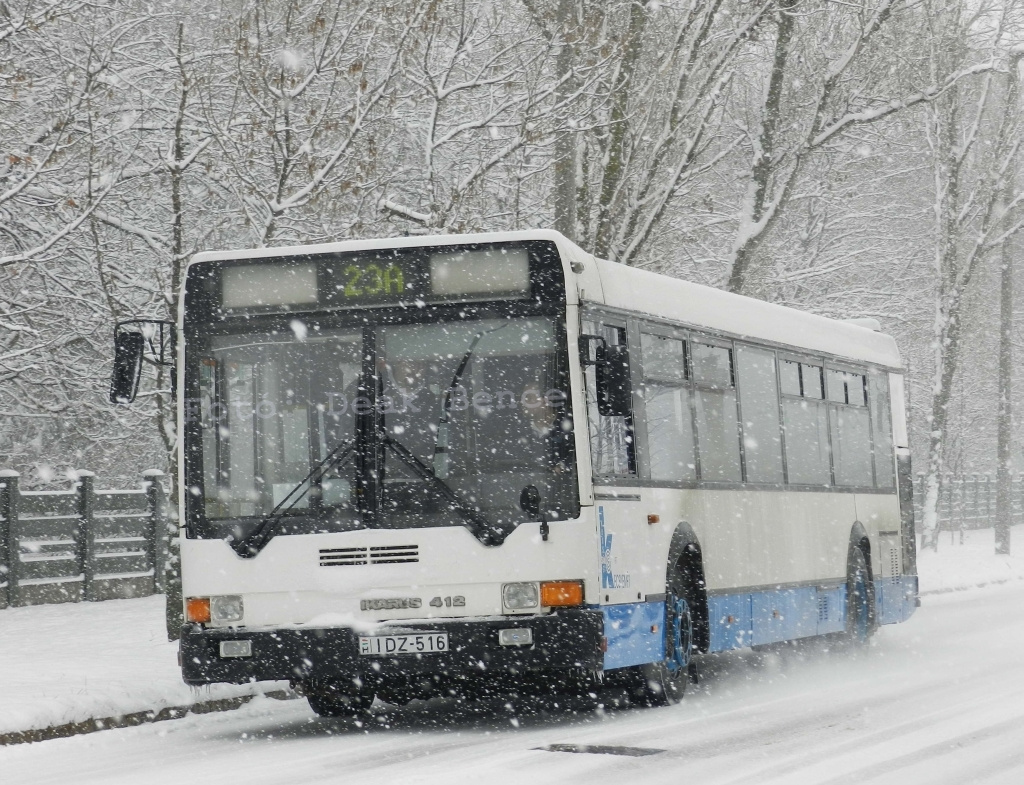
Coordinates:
[81,544]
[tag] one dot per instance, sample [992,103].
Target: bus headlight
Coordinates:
[520,596]
[226,609]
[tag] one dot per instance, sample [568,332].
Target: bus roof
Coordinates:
[648,293]
[746,317]
[347,246]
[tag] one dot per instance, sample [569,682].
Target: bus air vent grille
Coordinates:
[377,554]
[342,557]
[394,554]
[894,565]
[823,609]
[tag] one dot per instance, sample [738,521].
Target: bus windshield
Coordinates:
[475,408]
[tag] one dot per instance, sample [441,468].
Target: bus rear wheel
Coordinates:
[859,598]
[664,683]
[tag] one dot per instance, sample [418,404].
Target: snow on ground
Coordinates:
[78,661]
[64,663]
[955,565]
[938,700]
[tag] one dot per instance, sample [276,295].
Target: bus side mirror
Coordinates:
[124,381]
[529,501]
[614,390]
[133,338]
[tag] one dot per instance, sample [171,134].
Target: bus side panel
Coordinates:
[729,618]
[633,557]
[762,617]
[895,599]
[783,615]
[895,590]
[635,634]
[753,538]
[775,561]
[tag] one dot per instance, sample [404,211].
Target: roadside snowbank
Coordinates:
[955,566]
[68,663]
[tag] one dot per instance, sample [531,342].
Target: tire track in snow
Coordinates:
[897,768]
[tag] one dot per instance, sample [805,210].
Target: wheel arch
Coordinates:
[859,539]
[685,553]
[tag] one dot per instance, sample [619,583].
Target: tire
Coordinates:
[860,597]
[331,699]
[664,683]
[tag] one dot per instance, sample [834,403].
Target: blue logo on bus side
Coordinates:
[609,580]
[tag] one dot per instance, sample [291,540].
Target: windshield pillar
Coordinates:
[369,481]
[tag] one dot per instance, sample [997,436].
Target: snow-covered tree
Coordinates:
[975,139]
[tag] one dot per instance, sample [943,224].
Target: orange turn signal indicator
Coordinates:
[197,609]
[560,594]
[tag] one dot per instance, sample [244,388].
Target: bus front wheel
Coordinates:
[334,699]
[664,683]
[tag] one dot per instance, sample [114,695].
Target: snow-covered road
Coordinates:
[937,700]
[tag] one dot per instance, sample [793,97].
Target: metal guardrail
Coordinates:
[81,544]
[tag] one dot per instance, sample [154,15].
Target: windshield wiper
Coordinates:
[441,442]
[485,531]
[257,539]
[488,533]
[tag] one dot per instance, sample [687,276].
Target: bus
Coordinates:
[486,464]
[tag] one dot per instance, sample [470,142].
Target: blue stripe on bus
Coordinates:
[729,619]
[635,633]
[756,618]
[896,598]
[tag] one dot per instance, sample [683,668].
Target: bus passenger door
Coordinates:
[621,523]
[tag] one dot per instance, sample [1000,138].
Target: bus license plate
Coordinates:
[420,643]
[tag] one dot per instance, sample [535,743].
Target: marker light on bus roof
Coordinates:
[480,272]
[249,285]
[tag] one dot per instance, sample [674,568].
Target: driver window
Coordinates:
[611,438]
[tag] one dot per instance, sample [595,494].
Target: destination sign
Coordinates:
[409,277]
[375,280]
[459,274]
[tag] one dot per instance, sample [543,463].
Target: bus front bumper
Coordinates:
[569,639]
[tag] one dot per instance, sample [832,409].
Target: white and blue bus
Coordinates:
[481,464]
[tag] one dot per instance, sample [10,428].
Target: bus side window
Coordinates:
[717,427]
[805,419]
[611,438]
[759,408]
[881,429]
[668,417]
[850,428]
